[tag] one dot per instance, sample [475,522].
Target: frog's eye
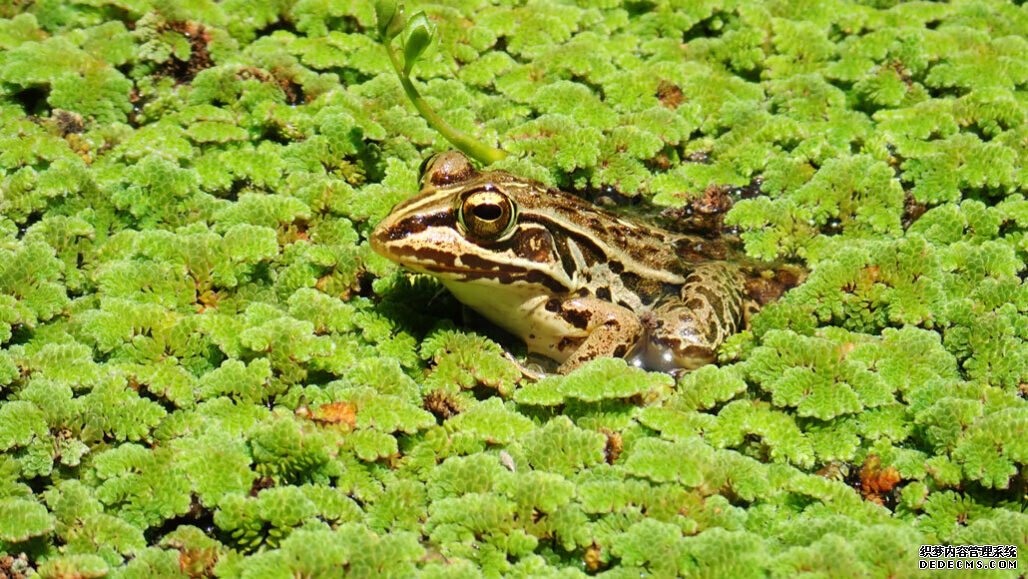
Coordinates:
[487,214]
[445,168]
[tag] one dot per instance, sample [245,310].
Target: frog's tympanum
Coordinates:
[573,280]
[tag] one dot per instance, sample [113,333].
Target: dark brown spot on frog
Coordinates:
[534,245]
[714,327]
[566,343]
[553,305]
[577,318]
[603,293]
[715,301]
[564,256]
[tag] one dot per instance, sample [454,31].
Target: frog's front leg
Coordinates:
[611,330]
[685,331]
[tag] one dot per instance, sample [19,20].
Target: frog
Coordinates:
[573,280]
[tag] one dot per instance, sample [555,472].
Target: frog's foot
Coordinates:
[686,332]
[611,330]
[531,371]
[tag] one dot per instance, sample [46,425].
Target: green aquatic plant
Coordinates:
[417,34]
[205,370]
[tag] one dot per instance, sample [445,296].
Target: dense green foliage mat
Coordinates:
[205,370]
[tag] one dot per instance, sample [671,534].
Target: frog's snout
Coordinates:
[394,236]
[382,237]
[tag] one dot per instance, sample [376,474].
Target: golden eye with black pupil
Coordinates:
[487,214]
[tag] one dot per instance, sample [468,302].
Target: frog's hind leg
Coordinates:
[611,330]
[685,331]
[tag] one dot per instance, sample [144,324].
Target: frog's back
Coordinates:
[624,243]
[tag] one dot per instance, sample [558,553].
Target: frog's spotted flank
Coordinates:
[573,280]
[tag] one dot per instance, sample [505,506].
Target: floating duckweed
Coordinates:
[206,371]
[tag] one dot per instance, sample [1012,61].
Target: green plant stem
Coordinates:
[472,147]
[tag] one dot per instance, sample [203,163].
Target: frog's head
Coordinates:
[473,226]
